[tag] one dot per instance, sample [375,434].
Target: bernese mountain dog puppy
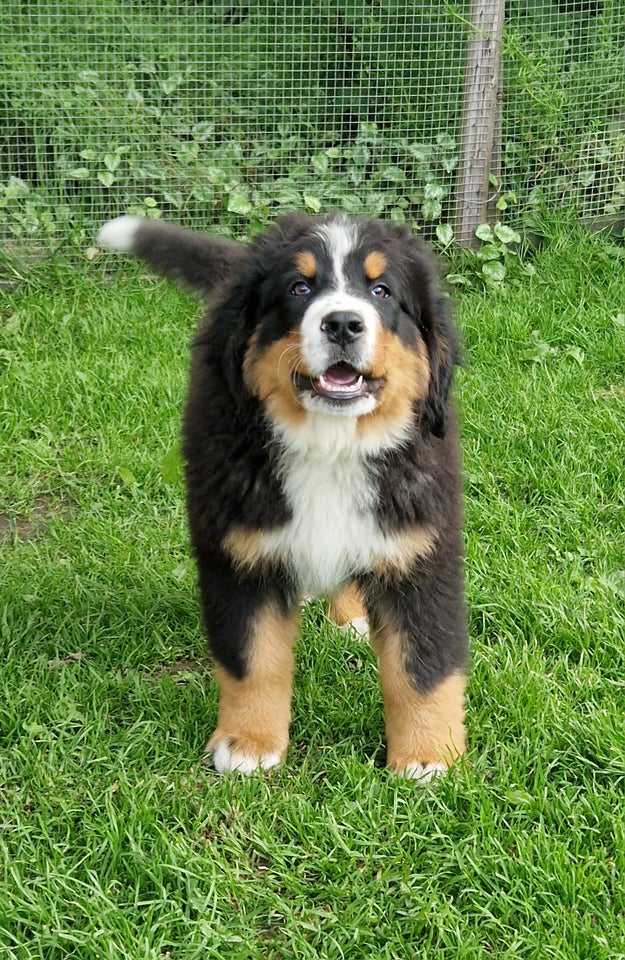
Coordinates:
[321,454]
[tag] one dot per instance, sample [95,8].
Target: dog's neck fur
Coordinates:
[328,438]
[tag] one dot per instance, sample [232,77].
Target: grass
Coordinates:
[117,841]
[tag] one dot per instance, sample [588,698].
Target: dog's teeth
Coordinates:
[333,387]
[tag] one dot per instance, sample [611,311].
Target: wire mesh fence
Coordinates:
[225,114]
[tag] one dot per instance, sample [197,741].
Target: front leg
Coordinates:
[419,634]
[252,630]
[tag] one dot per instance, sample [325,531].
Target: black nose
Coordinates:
[342,327]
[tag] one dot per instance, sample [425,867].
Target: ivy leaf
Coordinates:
[431,209]
[106,178]
[444,234]
[484,232]
[312,203]
[506,234]
[239,203]
[112,161]
[494,271]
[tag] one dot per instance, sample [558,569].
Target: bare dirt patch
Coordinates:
[33,524]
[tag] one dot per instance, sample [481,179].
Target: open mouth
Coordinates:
[341,383]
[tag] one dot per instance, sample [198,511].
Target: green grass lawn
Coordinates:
[118,842]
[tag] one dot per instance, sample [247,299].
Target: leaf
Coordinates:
[431,209]
[494,271]
[506,234]
[171,83]
[419,151]
[106,178]
[518,796]
[320,164]
[174,198]
[444,234]
[619,319]
[434,191]
[203,131]
[312,203]
[392,174]
[127,477]
[616,582]
[181,571]
[361,155]
[484,232]
[489,252]
[239,203]
[171,465]
[35,729]
[576,353]
[540,350]
[112,161]
[446,142]
[78,173]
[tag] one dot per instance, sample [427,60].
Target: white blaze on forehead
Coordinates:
[340,237]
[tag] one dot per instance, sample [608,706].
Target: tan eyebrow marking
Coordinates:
[375,264]
[306,263]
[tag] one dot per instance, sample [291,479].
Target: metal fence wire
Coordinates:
[225,114]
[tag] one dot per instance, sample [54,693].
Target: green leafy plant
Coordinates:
[497,260]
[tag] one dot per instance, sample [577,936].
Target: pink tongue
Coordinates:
[342,375]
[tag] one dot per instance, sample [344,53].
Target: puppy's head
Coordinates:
[331,317]
[343,318]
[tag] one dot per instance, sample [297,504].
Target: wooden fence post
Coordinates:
[479,118]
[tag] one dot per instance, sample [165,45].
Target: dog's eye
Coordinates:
[300,289]
[381,291]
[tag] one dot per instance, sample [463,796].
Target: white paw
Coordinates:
[120,234]
[225,759]
[359,626]
[423,772]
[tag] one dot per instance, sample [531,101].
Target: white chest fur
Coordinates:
[333,533]
[331,489]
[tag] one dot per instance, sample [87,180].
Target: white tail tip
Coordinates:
[120,234]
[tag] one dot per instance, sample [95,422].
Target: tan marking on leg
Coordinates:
[347,605]
[421,728]
[254,713]
[375,264]
[268,374]
[408,546]
[306,263]
[245,549]
[406,372]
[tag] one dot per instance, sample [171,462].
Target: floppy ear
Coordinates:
[432,313]
[236,343]
[441,341]
[231,327]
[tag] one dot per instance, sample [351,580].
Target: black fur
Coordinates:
[232,455]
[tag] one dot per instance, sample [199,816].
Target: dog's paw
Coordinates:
[422,772]
[243,754]
[359,626]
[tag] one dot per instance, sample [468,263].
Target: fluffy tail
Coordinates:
[196,260]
